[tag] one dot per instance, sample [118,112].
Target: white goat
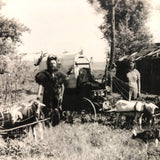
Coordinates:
[133,108]
[28,114]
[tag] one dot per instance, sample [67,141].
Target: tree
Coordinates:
[10,33]
[10,37]
[131,34]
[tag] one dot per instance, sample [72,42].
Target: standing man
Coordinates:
[133,77]
[51,87]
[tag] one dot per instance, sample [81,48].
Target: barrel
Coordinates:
[5,119]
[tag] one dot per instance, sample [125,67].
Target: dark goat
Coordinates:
[147,135]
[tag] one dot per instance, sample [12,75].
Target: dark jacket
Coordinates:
[51,86]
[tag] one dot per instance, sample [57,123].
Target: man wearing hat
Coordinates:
[52,82]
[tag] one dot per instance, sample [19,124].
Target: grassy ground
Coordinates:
[90,141]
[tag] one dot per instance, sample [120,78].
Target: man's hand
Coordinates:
[70,70]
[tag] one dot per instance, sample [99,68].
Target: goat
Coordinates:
[27,114]
[147,135]
[134,109]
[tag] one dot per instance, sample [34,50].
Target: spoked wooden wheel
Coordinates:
[88,109]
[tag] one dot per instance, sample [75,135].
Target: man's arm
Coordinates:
[40,93]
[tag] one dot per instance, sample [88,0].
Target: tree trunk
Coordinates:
[112,55]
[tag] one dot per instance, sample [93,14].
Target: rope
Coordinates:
[23,126]
[120,90]
[118,87]
[121,86]
[119,80]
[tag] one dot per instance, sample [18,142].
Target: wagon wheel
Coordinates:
[88,109]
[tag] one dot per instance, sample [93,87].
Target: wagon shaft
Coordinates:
[13,129]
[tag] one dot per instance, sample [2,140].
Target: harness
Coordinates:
[136,106]
[135,109]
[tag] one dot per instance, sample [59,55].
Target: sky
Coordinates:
[58,26]
[154,20]
[66,25]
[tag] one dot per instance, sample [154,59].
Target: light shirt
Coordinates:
[133,76]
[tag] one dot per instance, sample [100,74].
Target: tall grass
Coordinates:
[18,77]
[80,142]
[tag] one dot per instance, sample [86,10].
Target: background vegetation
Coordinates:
[131,33]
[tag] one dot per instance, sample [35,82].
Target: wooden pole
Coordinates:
[3,131]
[112,55]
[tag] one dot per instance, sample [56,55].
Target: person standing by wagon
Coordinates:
[134,82]
[52,83]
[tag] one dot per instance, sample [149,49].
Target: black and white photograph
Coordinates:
[79,79]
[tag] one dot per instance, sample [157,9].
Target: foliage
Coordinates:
[18,77]
[10,34]
[1,4]
[130,30]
